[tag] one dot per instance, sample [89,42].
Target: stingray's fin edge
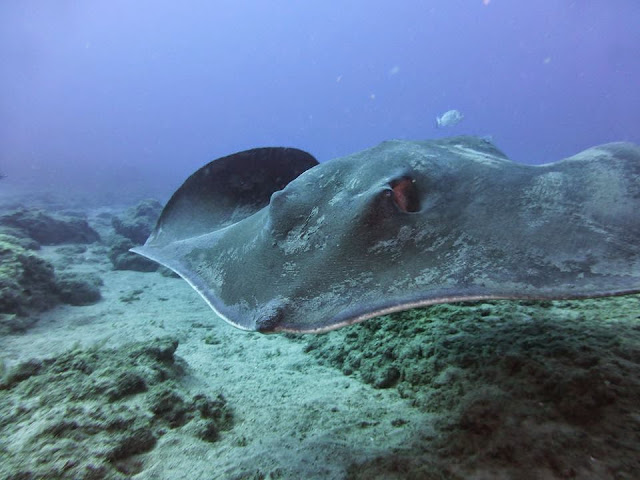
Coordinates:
[178,270]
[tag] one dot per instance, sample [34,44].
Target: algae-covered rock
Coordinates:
[132,229]
[122,259]
[27,282]
[137,222]
[97,410]
[18,237]
[50,229]
[79,289]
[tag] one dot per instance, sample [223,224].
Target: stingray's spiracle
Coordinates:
[405,194]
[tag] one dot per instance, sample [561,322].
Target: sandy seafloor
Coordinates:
[297,415]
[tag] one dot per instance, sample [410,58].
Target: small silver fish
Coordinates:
[449,119]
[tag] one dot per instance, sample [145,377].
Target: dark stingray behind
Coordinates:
[399,225]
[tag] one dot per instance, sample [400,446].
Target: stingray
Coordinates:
[276,242]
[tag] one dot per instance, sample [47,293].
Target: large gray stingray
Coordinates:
[274,241]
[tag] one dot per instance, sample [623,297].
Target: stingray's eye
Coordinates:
[405,194]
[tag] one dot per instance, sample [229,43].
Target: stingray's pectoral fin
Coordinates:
[218,195]
[227,190]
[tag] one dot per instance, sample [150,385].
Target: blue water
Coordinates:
[110,95]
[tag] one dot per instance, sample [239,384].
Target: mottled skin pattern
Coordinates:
[406,224]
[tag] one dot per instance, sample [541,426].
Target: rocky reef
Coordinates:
[515,385]
[137,222]
[29,284]
[90,413]
[132,228]
[49,229]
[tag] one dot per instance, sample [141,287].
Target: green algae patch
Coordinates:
[92,413]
